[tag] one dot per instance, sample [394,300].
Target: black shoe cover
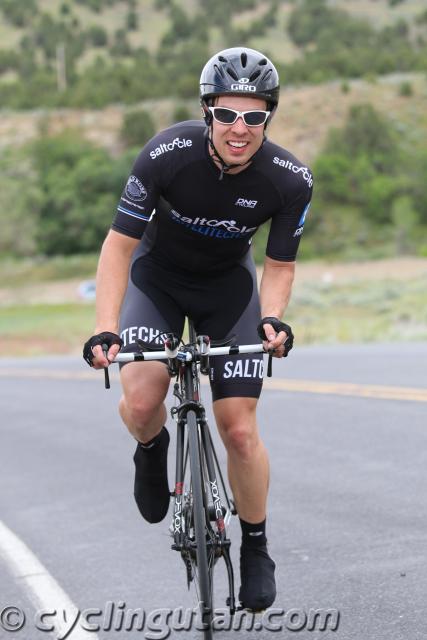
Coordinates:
[151,488]
[258,586]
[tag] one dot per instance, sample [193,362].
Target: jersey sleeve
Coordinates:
[288,223]
[139,197]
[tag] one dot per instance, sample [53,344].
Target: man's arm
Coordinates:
[111,284]
[275,292]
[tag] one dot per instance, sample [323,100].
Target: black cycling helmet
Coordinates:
[239,71]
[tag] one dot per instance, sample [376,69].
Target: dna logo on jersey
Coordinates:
[242,202]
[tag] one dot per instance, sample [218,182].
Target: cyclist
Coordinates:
[180,246]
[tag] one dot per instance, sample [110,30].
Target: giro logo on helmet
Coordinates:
[243,87]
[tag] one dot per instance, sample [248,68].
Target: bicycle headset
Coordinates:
[238,71]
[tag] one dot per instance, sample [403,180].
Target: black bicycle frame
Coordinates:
[189,401]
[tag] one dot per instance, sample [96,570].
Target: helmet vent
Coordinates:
[263,61]
[244,59]
[254,75]
[219,70]
[267,74]
[222,59]
[232,73]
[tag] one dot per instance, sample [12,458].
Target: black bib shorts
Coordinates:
[220,305]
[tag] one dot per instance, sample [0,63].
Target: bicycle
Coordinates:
[199,500]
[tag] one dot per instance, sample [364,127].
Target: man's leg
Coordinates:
[248,470]
[142,409]
[145,385]
[148,311]
[248,466]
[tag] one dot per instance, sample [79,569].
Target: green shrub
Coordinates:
[80,185]
[132,21]
[406,89]
[18,13]
[181,113]
[138,127]
[97,36]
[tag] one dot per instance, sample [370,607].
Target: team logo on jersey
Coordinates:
[213,228]
[165,147]
[242,202]
[135,190]
[304,215]
[304,171]
[301,222]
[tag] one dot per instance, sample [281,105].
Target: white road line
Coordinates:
[40,587]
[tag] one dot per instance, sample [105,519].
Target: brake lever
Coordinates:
[106,372]
[270,363]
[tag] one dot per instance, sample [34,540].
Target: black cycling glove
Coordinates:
[106,337]
[278,326]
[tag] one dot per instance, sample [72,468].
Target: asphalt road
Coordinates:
[347,511]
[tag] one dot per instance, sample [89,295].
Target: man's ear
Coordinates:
[207,116]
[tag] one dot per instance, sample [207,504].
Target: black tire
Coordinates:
[203,576]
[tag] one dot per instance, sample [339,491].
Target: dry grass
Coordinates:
[358,302]
[301,124]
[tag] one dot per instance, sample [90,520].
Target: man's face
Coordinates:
[236,143]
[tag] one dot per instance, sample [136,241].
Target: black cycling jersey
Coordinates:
[187,218]
[195,232]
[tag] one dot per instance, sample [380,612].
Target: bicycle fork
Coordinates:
[217,512]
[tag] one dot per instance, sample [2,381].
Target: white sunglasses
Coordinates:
[254,118]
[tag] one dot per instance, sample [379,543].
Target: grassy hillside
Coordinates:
[154,22]
[134,62]
[98,52]
[304,117]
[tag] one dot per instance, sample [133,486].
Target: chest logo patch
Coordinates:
[135,190]
[242,202]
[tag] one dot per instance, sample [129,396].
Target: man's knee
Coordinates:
[236,420]
[144,390]
[139,409]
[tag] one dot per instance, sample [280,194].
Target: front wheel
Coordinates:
[203,575]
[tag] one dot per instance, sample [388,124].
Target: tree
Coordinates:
[366,132]
[359,180]
[138,127]
[80,186]
[97,36]
[20,201]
